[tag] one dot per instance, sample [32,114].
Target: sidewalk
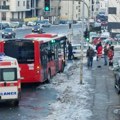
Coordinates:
[105,101]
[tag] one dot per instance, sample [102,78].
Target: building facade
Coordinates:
[12,10]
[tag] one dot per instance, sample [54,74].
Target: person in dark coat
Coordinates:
[90,54]
[70,51]
[105,55]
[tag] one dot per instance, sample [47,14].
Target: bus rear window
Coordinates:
[8,74]
[22,50]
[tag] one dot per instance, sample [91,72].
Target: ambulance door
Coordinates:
[10,88]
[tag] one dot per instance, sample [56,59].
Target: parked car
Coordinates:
[8,33]
[31,23]
[37,29]
[117,37]
[116,69]
[43,23]
[76,50]
[4,25]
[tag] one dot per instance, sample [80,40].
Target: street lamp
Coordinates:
[82,37]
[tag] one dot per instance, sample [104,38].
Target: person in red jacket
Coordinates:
[99,49]
[110,55]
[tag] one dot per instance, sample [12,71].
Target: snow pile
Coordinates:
[73,99]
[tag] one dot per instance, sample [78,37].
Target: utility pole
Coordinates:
[82,38]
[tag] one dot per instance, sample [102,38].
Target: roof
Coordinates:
[42,37]
[46,35]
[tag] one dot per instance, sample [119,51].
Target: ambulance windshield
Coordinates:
[8,74]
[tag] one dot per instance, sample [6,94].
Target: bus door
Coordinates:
[57,56]
[44,60]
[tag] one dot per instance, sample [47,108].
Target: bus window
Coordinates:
[23,51]
[9,74]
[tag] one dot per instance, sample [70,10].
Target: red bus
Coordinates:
[39,58]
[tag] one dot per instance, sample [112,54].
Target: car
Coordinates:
[31,23]
[117,37]
[76,50]
[43,23]
[8,33]
[37,29]
[116,71]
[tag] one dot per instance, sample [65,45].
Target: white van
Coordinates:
[10,84]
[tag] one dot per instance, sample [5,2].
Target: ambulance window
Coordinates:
[9,74]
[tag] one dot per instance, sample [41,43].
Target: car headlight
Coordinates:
[2,32]
[9,33]
[38,29]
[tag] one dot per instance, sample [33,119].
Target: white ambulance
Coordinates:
[10,85]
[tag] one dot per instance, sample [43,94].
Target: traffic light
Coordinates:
[47,5]
[86,35]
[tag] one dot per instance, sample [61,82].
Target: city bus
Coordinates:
[39,58]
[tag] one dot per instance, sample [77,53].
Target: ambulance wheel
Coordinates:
[16,103]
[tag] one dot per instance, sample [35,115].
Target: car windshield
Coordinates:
[118,35]
[36,27]
[8,30]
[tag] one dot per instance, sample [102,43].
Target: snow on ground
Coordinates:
[73,98]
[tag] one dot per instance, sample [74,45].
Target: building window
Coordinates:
[18,15]
[18,3]
[28,4]
[12,15]
[4,3]
[3,15]
[23,3]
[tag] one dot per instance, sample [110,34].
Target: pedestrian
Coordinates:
[105,54]
[110,55]
[70,51]
[90,54]
[99,53]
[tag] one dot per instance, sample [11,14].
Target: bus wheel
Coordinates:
[49,77]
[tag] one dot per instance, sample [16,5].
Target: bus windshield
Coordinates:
[22,50]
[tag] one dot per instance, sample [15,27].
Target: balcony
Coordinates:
[7,7]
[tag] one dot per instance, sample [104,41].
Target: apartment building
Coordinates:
[94,8]
[11,10]
[72,10]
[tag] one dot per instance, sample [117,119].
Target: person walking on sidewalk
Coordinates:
[90,54]
[110,55]
[99,53]
[105,55]
[70,51]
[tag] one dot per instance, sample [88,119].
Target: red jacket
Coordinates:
[99,51]
[110,54]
